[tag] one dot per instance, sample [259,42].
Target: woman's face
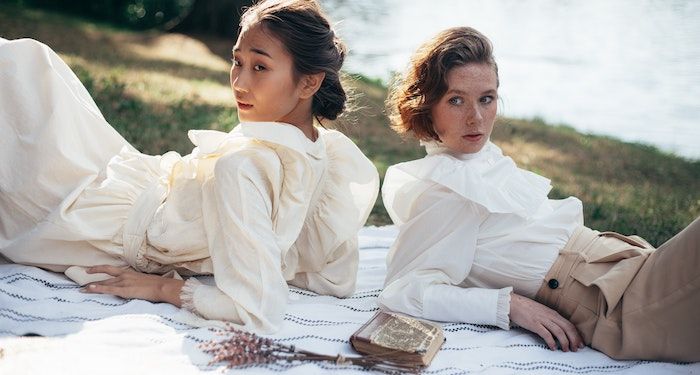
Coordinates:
[263,80]
[463,118]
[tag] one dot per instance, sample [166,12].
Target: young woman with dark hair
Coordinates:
[276,201]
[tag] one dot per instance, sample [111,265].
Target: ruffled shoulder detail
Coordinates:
[352,177]
[292,150]
[489,179]
[341,206]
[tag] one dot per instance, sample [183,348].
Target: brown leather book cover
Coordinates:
[399,338]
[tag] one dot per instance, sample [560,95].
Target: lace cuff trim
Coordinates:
[187,294]
[503,308]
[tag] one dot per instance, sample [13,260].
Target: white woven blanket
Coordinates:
[96,334]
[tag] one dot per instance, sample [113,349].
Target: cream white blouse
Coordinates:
[473,228]
[275,207]
[258,207]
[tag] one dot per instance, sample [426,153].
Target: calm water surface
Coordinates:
[625,68]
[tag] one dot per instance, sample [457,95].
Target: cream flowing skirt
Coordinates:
[54,143]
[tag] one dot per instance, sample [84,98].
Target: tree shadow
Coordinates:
[115,48]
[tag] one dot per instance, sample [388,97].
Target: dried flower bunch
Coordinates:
[241,348]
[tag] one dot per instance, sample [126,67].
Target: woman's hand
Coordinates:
[545,322]
[127,283]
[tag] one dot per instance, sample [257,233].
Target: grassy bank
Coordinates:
[153,87]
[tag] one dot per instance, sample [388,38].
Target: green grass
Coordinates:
[153,87]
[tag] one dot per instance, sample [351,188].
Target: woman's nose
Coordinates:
[474,115]
[238,80]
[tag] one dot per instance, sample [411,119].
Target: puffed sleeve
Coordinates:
[324,258]
[238,205]
[432,255]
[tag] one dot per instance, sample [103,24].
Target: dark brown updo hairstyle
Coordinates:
[425,82]
[305,31]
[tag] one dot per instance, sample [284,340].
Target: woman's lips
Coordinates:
[473,137]
[244,106]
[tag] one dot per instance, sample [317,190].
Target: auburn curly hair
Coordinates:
[412,96]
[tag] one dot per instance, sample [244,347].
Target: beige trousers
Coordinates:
[628,300]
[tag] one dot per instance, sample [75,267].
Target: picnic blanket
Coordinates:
[48,327]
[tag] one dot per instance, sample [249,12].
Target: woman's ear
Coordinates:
[310,83]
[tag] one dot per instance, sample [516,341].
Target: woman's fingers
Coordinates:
[112,281]
[559,333]
[92,287]
[95,288]
[567,334]
[575,339]
[545,322]
[546,335]
[552,332]
[572,336]
[132,284]
[105,289]
[110,270]
[117,289]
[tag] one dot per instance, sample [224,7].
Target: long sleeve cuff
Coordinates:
[503,309]
[449,303]
[187,294]
[210,302]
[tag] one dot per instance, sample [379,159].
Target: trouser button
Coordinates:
[553,284]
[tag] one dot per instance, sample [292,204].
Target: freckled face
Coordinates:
[262,78]
[463,118]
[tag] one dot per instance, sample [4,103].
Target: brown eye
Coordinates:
[456,100]
[487,99]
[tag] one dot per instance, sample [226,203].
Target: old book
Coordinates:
[399,338]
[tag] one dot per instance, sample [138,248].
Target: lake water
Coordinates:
[625,68]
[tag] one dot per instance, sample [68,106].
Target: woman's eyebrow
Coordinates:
[254,50]
[462,92]
[261,52]
[455,91]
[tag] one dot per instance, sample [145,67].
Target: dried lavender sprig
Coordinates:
[246,348]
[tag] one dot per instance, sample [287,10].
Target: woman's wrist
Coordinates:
[170,291]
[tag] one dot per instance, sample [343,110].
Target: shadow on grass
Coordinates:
[93,42]
[154,128]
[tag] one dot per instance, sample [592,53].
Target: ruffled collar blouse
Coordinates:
[473,227]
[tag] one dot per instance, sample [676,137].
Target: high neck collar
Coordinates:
[284,134]
[436,147]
